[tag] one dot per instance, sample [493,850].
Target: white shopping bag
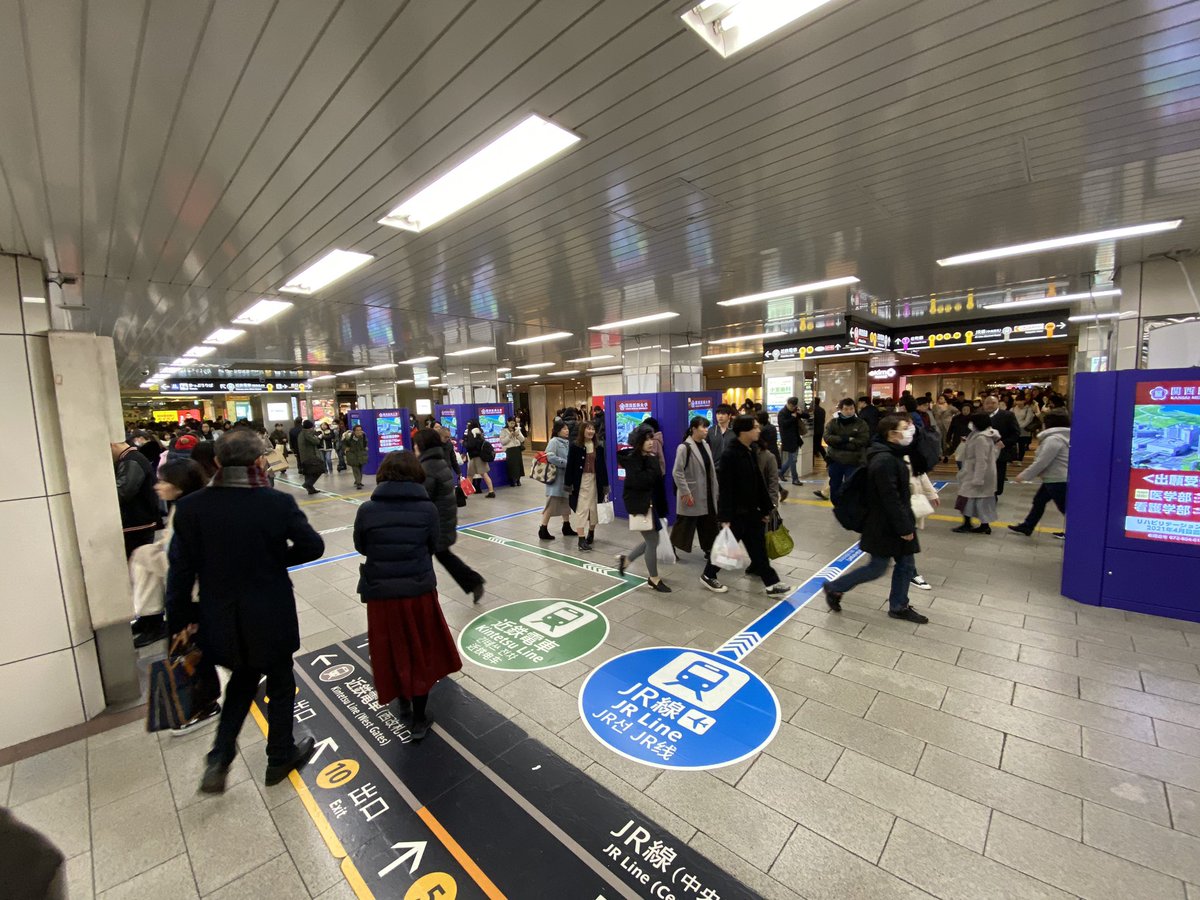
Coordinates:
[728,552]
[604,513]
[665,552]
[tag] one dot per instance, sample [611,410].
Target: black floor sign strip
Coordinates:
[500,815]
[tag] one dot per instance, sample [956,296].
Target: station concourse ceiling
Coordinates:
[180,160]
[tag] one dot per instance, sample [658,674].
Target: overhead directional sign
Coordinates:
[1036,327]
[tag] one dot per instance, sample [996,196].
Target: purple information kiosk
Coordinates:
[386,430]
[491,417]
[1133,540]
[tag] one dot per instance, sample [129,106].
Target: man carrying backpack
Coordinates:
[889,528]
[847,437]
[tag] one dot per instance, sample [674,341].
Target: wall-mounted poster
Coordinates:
[630,414]
[701,406]
[390,431]
[491,420]
[1164,463]
[779,388]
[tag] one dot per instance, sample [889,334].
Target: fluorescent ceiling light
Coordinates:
[1073,240]
[553,336]
[688,346]
[471,350]
[329,268]
[405,381]
[350,372]
[730,26]
[750,337]
[526,145]
[33,299]
[730,355]
[263,310]
[791,291]
[182,363]
[417,360]
[625,323]
[224,336]
[545,365]
[1108,315]
[606,369]
[381,366]
[504,369]
[321,377]
[170,370]
[584,359]
[524,377]
[565,372]
[198,351]
[1048,300]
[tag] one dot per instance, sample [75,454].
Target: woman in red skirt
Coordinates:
[411,645]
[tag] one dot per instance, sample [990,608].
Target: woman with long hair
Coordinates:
[512,441]
[587,480]
[411,646]
[645,498]
[557,504]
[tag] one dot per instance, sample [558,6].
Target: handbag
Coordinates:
[465,485]
[961,503]
[605,513]
[779,542]
[181,685]
[683,533]
[921,506]
[543,470]
[641,522]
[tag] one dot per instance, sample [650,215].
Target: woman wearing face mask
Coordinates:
[645,494]
[695,477]
[889,533]
[977,479]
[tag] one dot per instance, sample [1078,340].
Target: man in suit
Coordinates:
[1010,433]
[238,537]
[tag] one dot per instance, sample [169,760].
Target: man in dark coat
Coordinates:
[440,482]
[1010,434]
[294,435]
[890,530]
[720,435]
[789,438]
[135,493]
[848,437]
[238,537]
[869,413]
[818,424]
[744,504]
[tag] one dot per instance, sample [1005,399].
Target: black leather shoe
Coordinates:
[213,781]
[568,531]
[299,756]
[833,599]
[420,728]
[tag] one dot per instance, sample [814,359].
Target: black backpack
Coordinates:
[851,507]
[486,451]
[928,446]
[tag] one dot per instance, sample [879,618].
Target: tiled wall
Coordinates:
[49,675]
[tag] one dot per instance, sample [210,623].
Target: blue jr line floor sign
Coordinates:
[683,708]
[677,708]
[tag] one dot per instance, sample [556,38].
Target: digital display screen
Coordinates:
[491,420]
[390,433]
[700,406]
[630,414]
[451,423]
[1163,503]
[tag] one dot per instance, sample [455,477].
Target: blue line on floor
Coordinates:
[765,625]
[322,561]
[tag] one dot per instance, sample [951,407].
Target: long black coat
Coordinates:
[741,488]
[789,430]
[397,531]
[239,542]
[439,483]
[644,484]
[1010,432]
[576,457]
[889,504]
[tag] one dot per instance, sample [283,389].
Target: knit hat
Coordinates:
[186,442]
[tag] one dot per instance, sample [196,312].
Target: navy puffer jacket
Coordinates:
[397,531]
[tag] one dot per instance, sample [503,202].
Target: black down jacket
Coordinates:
[397,531]
[439,483]
[889,504]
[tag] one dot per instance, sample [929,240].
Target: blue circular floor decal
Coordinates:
[676,708]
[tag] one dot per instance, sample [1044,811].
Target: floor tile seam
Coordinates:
[1063,718]
[1075,674]
[1082,636]
[1120,856]
[187,850]
[1128,771]
[1070,793]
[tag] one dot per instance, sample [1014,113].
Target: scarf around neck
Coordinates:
[240,477]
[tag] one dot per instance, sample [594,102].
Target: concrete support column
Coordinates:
[785,378]
[649,370]
[49,667]
[1151,292]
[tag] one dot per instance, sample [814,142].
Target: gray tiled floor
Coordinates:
[1020,745]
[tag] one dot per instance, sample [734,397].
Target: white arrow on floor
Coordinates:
[321,745]
[324,660]
[415,849]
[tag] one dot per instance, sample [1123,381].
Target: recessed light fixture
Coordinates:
[417,360]
[542,365]
[405,381]
[470,350]
[810,288]
[606,369]
[329,268]
[750,337]
[553,336]
[1048,300]
[198,351]
[565,372]
[730,25]
[625,323]
[526,145]
[263,310]
[350,372]
[1073,240]
[224,336]
[584,359]
[730,355]
[381,366]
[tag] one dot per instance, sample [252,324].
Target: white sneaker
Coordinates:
[778,590]
[713,585]
[919,582]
